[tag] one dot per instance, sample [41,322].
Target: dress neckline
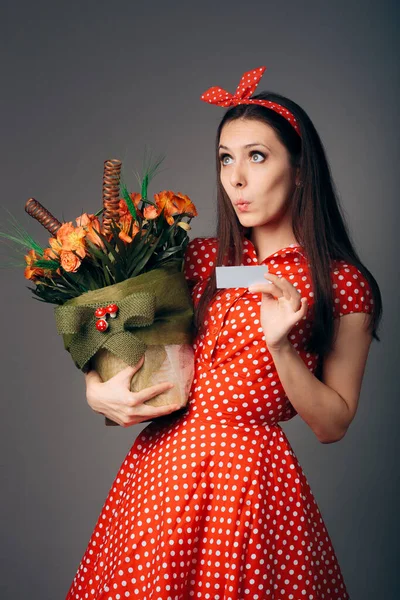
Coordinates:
[294,247]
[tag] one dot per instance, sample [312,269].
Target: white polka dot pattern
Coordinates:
[352,291]
[213,503]
[247,86]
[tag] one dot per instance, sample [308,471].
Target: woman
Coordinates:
[212,503]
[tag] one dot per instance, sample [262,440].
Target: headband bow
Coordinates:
[246,87]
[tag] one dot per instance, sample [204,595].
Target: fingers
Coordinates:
[267,288]
[157,411]
[150,392]
[146,412]
[286,288]
[278,287]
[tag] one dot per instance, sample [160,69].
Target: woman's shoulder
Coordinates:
[351,289]
[200,257]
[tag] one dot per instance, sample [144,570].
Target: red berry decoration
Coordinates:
[112,309]
[101,325]
[100,312]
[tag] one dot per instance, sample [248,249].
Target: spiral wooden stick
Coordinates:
[41,214]
[111,195]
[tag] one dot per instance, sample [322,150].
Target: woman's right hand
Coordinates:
[114,399]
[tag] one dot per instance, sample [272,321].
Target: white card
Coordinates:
[238,277]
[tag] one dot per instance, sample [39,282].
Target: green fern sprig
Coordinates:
[150,170]
[21,236]
[128,200]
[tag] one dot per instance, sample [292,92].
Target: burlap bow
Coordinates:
[136,310]
[154,308]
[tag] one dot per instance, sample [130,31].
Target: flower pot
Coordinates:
[154,317]
[171,362]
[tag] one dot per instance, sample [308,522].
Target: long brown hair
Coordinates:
[317,219]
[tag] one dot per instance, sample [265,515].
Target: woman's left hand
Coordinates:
[281,308]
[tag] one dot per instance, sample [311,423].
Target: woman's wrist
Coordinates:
[281,348]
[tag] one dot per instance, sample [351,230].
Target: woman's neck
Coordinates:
[266,244]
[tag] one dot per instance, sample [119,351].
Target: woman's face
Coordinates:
[261,175]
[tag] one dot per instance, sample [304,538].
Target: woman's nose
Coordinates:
[237,177]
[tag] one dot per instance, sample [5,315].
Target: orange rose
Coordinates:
[151,212]
[69,261]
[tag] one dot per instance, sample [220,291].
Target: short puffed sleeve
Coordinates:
[351,290]
[199,260]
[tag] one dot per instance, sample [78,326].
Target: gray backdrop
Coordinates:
[86,81]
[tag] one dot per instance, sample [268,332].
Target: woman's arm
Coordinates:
[327,406]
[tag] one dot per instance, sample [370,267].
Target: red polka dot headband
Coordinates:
[246,87]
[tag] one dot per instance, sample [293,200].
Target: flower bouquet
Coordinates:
[118,285]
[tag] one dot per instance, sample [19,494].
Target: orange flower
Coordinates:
[70,238]
[91,224]
[163,199]
[50,254]
[31,272]
[174,204]
[55,246]
[69,261]
[151,212]
[85,219]
[124,224]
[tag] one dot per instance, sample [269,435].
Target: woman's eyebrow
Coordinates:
[246,146]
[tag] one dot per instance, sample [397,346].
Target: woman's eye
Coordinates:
[222,158]
[252,153]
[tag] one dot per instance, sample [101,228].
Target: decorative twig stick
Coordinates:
[111,193]
[41,214]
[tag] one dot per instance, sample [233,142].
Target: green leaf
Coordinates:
[149,251]
[47,264]
[145,184]
[120,244]
[107,276]
[107,244]
[101,256]
[170,252]
[138,252]
[75,280]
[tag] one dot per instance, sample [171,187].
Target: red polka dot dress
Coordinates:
[212,503]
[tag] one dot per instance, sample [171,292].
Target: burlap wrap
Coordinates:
[155,310]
